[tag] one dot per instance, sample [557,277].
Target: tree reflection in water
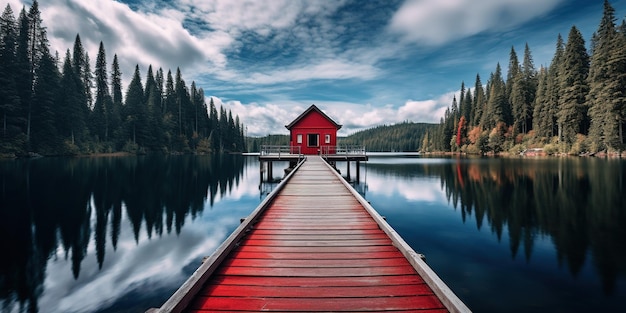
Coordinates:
[47,204]
[578,203]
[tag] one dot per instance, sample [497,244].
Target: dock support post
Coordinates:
[358,171]
[261,170]
[348,173]
[270,169]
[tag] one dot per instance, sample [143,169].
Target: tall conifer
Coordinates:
[604,122]
[574,87]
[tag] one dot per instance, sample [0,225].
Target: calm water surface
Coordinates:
[121,234]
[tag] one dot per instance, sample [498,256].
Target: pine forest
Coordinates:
[56,105]
[576,105]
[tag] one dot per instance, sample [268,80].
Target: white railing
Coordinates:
[275,150]
[343,150]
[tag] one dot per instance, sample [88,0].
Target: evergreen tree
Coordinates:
[222,129]
[158,78]
[554,90]
[541,120]
[447,129]
[70,117]
[44,132]
[214,127]
[574,88]
[183,103]
[100,117]
[155,125]
[87,78]
[135,113]
[497,104]
[9,98]
[518,101]
[467,105]
[479,102]
[22,75]
[604,126]
[514,70]
[37,45]
[150,83]
[79,65]
[530,90]
[115,110]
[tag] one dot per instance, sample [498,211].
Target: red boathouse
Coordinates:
[312,130]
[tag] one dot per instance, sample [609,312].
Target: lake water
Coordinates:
[122,234]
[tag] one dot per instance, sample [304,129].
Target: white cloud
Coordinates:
[429,191]
[439,21]
[269,118]
[143,38]
[429,111]
[324,69]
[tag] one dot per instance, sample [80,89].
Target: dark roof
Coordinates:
[307,111]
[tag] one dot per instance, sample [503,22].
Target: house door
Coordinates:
[313,140]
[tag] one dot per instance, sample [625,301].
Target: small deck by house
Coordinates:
[332,154]
[314,245]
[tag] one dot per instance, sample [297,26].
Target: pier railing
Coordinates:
[343,150]
[275,150]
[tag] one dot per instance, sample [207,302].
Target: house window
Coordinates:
[299,138]
[313,140]
[327,139]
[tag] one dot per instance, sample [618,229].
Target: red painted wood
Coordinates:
[326,249]
[313,121]
[316,237]
[317,272]
[316,250]
[355,281]
[317,243]
[317,263]
[314,232]
[318,305]
[315,256]
[223,290]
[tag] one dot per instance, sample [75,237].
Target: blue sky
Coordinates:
[365,63]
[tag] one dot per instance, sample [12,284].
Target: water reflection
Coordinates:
[568,211]
[579,203]
[51,208]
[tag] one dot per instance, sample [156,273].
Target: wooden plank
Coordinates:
[317,272]
[297,281]
[317,243]
[225,290]
[324,249]
[317,305]
[317,263]
[318,236]
[316,231]
[314,256]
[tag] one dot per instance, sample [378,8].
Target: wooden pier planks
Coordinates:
[316,249]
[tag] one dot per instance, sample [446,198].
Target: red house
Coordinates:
[313,130]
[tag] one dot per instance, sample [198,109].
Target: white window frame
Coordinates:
[327,138]
[299,138]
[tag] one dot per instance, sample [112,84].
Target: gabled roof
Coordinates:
[309,110]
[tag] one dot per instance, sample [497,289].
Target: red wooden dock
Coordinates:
[315,247]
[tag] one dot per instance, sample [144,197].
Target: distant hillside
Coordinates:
[405,136]
[254,143]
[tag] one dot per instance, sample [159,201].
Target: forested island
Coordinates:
[576,105]
[53,105]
